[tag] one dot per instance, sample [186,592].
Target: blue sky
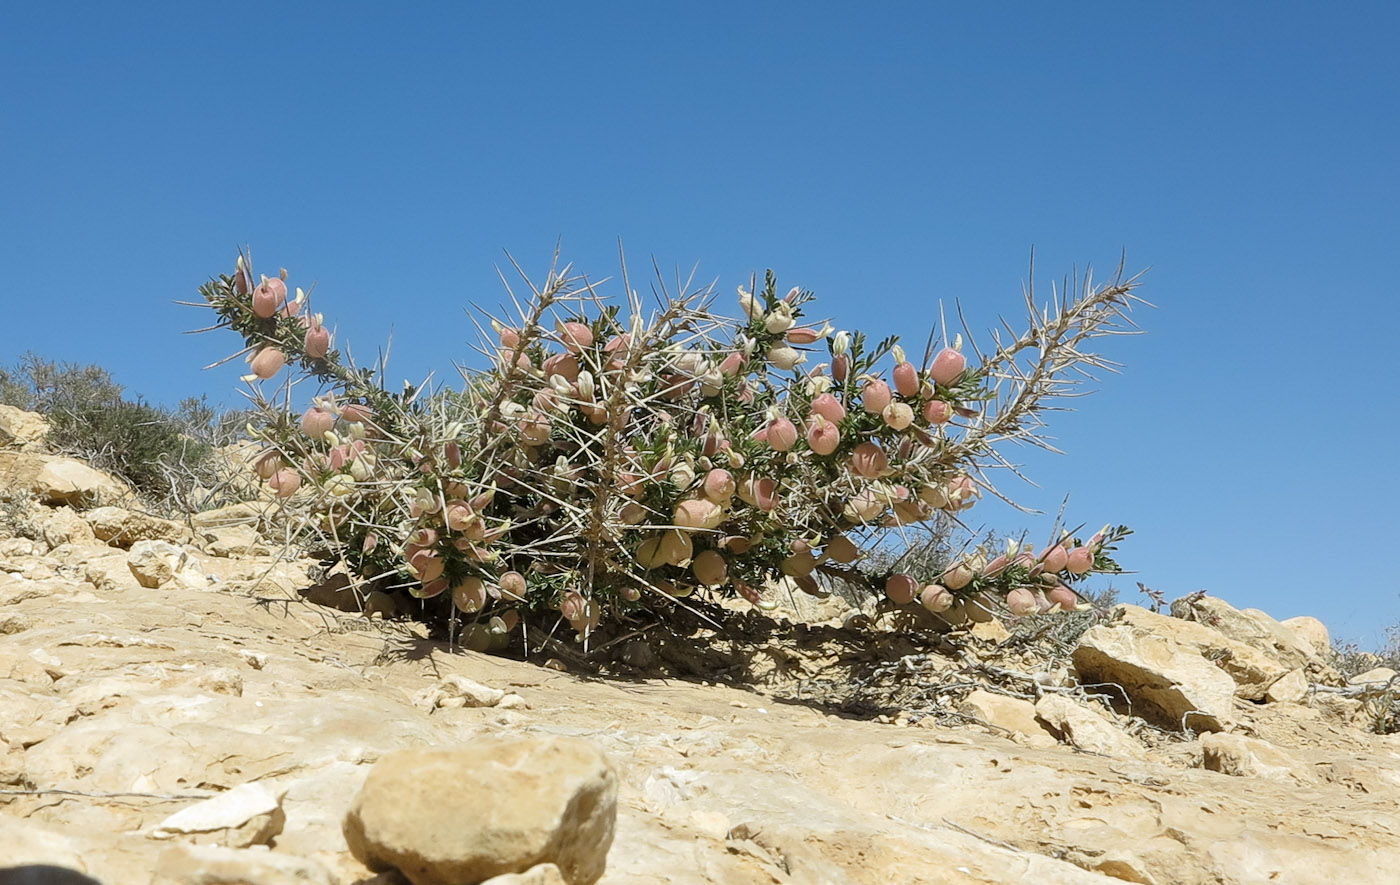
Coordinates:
[886,156]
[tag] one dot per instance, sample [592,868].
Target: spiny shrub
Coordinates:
[612,458]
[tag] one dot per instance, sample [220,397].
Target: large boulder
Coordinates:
[22,430]
[463,814]
[56,479]
[1162,675]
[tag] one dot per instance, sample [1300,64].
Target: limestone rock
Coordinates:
[22,430]
[1378,676]
[1085,728]
[459,691]
[1012,714]
[1291,688]
[56,479]
[1164,676]
[121,528]
[233,540]
[158,563]
[1312,631]
[24,842]
[62,525]
[541,874]
[246,815]
[209,865]
[1250,626]
[487,808]
[1252,669]
[1241,756]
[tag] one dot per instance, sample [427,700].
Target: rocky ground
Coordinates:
[174,708]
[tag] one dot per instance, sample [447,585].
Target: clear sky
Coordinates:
[884,155]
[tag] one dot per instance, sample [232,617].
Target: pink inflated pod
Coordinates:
[284,482]
[315,422]
[823,437]
[356,413]
[901,589]
[936,411]
[268,298]
[1063,597]
[268,463]
[869,460]
[897,416]
[875,396]
[241,282]
[1021,602]
[510,338]
[906,379]
[936,599]
[782,434]
[804,335]
[731,364]
[562,364]
[268,361]
[513,586]
[1079,560]
[425,565]
[575,336]
[829,407]
[948,366]
[719,485]
[317,341]
[469,596]
[840,367]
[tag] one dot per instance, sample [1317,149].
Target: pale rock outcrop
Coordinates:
[1250,626]
[1242,756]
[122,528]
[56,479]
[1312,631]
[212,865]
[1008,714]
[1291,688]
[1086,729]
[158,563]
[246,815]
[487,808]
[62,525]
[1155,663]
[1251,668]
[22,430]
